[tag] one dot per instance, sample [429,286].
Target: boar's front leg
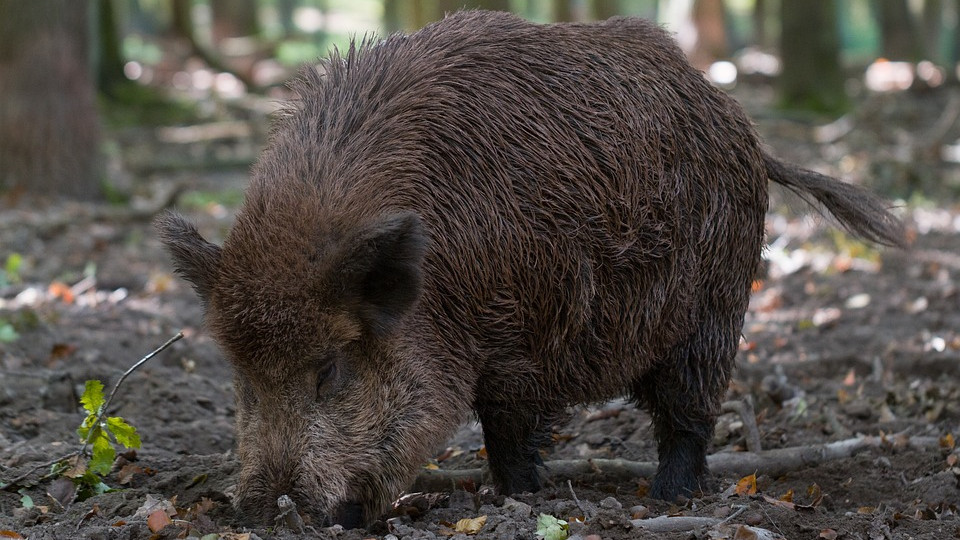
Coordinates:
[513,440]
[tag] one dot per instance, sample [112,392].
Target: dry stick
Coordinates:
[106,404]
[774,462]
[576,499]
[16,481]
[744,408]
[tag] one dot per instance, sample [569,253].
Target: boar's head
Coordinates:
[333,407]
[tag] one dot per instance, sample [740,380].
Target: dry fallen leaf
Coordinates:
[61,350]
[61,290]
[747,485]
[816,494]
[157,520]
[947,441]
[9,534]
[470,525]
[125,474]
[62,490]
[780,502]
[76,468]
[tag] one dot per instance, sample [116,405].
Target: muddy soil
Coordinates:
[840,341]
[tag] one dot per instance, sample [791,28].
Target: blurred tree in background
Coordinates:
[810,51]
[49,126]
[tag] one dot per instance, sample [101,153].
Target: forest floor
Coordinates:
[843,344]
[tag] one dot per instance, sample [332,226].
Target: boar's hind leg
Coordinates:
[682,395]
[513,440]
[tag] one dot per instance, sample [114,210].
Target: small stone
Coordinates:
[390,537]
[638,512]
[506,530]
[593,537]
[611,503]
[462,500]
[753,518]
[517,508]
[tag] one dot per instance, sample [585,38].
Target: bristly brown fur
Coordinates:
[494,217]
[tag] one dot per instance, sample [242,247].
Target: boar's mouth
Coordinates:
[349,515]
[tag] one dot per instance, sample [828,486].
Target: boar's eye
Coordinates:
[325,378]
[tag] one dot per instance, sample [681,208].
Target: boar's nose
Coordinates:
[349,515]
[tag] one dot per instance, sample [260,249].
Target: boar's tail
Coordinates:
[858,210]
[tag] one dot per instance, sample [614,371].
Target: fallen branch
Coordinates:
[774,462]
[666,524]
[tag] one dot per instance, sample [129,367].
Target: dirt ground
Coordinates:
[840,341]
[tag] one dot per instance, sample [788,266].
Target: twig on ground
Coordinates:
[674,523]
[740,509]
[583,511]
[744,408]
[15,482]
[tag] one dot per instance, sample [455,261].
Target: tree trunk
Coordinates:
[285,9]
[494,5]
[392,16]
[709,18]
[449,6]
[110,66]
[761,30]
[810,51]
[933,16]
[181,23]
[49,125]
[562,11]
[234,18]
[898,31]
[604,9]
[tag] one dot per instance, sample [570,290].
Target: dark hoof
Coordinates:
[349,515]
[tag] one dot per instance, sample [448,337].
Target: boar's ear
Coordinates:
[194,259]
[381,271]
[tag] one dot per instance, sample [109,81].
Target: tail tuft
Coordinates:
[858,210]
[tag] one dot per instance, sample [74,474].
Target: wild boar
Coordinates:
[488,217]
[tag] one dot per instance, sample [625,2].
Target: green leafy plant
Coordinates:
[551,528]
[8,333]
[11,270]
[96,431]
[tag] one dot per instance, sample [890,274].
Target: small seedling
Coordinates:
[96,431]
[8,334]
[11,270]
[551,528]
